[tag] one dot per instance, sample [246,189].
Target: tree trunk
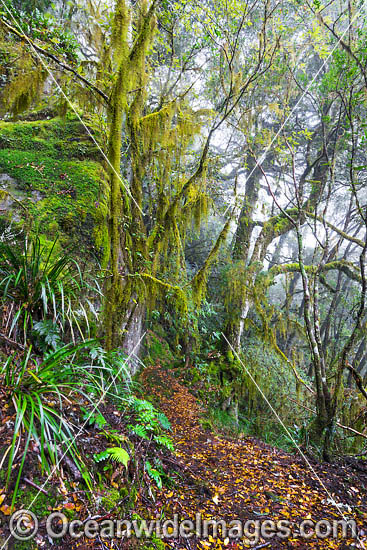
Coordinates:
[133,335]
[239,305]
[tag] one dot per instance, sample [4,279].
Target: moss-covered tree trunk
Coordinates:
[159,139]
[114,285]
[123,312]
[238,305]
[249,265]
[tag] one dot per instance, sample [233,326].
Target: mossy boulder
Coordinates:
[58,184]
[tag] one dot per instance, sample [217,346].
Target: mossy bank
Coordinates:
[58,178]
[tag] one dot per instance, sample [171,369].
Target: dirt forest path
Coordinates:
[248,480]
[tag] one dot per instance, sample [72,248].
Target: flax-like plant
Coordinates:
[39,392]
[35,285]
[31,388]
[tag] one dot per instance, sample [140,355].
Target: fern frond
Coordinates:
[118,454]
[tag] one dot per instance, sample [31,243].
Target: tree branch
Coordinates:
[50,55]
[336,229]
[348,428]
[346,267]
[358,380]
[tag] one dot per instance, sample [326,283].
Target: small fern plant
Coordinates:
[115,454]
[150,423]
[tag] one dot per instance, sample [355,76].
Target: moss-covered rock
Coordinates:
[157,349]
[29,498]
[59,180]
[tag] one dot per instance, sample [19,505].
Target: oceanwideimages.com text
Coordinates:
[24,525]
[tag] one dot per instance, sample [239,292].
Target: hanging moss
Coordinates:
[156,128]
[24,84]
[158,142]
[198,284]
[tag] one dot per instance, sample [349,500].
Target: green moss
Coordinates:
[195,375]
[64,191]
[31,499]
[206,424]
[24,545]
[52,229]
[70,514]
[56,137]
[113,497]
[154,544]
[158,350]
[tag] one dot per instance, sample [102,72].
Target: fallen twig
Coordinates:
[40,489]
[11,342]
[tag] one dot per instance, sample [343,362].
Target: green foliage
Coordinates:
[272,375]
[153,473]
[30,6]
[35,20]
[38,391]
[100,457]
[116,454]
[220,380]
[163,420]
[154,542]
[155,142]
[23,76]
[112,375]
[47,335]
[219,420]
[40,287]
[30,386]
[157,348]
[93,418]
[149,423]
